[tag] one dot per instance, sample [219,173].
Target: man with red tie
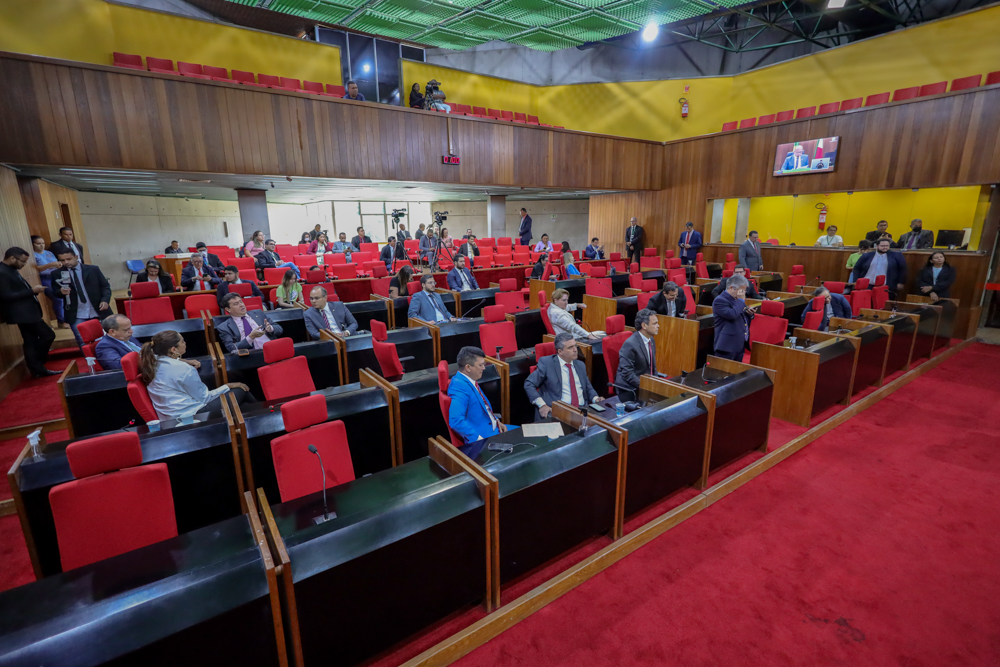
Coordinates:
[560,377]
[638,354]
[750,256]
[690,243]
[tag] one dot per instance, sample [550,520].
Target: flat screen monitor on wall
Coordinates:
[814,156]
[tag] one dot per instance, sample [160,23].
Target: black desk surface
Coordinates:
[415,342]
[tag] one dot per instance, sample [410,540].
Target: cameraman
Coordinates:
[433,97]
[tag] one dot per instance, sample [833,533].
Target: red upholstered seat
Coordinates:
[243,263]
[784,115]
[966,82]
[853,103]
[673,263]
[649,286]
[829,107]
[544,350]
[292,84]
[161,65]
[813,320]
[862,283]
[615,257]
[992,78]
[274,276]
[678,276]
[247,79]
[388,358]
[748,122]
[380,286]
[879,280]
[598,271]
[312,87]
[151,311]
[339,91]
[128,60]
[285,374]
[905,93]
[880,294]
[805,112]
[649,262]
[635,280]
[932,89]
[294,465]
[600,287]
[217,74]
[444,402]
[343,271]
[243,289]
[497,334]
[192,69]
[612,345]
[691,301]
[112,506]
[269,80]
[731,125]
[649,252]
[766,119]
[614,324]
[668,254]
[494,113]
[872,100]
[193,305]
[769,326]
[834,286]
[642,300]
[728,273]
[860,298]
[90,331]
[729,266]
[729,256]
[248,275]
[618,266]
[147,290]
[137,388]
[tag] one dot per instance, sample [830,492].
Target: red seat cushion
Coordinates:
[199,302]
[296,467]
[614,324]
[388,358]
[286,378]
[766,329]
[151,311]
[494,314]
[772,308]
[498,335]
[860,283]
[147,290]
[106,453]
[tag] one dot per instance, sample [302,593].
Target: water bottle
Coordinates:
[619,409]
[34,439]
[792,341]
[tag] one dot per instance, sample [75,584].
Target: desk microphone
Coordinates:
[326,514]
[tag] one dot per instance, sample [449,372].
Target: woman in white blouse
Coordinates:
[174,386]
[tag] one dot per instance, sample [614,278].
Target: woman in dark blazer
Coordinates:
[155,272]
[936,286]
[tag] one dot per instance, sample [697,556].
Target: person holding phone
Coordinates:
[245,330]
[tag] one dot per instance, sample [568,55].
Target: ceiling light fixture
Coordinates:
[835,4]
[366,67]
[650,32]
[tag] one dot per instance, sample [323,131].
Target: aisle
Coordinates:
[875,545]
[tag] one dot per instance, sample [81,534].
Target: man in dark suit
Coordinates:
[882,262]
[524,229]
[197,277]
[268,258]
[330,315]
[917,238]
[634,241]
[836,306]
[392,250]
[116,342]
[316,231]
[560,377]
[669,301]
[86,292]
[402,234]
[638,355]
[19,305]
[360,238]
[880,231]
[738,271]
[460,278]
[244,330]
[231,276]
[749,253]
[173,249]
[469,249]
[427,304]
[65,243]
[594,250]
[690,243]
[211,260]
[732,320]
[420,232]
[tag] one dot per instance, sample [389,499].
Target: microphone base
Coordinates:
[324,518]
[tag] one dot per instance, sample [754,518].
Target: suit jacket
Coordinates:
[943,285]
[895,272]
[188,276]
[695,244]
[96,286]
[427,245]
[357,241]
[229,333]
[61,246]
[925,239]
[18,303]
[343,318]
[546,382]
[658,304]
[633,361]
[403,235]
[417,234]
[750,256]
[721,287]
[590,252]
[639,239]
[731,324]
[109,352]
[223,289]
[791,163]
[386,254]
[841,308]
[166,284]
[268,260]
[875,235]
[422,306]
[468,414]
[170,251]
[455,281]
[464,250]
[524,229]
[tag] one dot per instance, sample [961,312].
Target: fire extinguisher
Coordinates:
[822,215]
[684,107]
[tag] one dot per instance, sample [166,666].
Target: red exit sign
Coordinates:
[451,159]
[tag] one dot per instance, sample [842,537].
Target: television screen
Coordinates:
[814,156]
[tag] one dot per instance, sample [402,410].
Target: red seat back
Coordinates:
[635,280]
[269,80]
[344,271]
[795,281]
[766,119]
[834,286]
[678,276]
[511,301]
[905,93]
[388,358]
[642,300]
[147,290]
[380,286]
[156,64]
[649,286]
[90,331]
[932,89]
[649,262]
[853,103]
[137,388]
[189,68]
[829,107]
[290,83]
[600,287]
[701,270]
[805,112]
[248,274]
[216,72]
[731,125]
[243,289]
[673,263]
[966,82]
[782,116]
[768,329]
[748,122]
[243,262]
[294,465]
[339,91]
[612,346]
[862,283]
[597,271]
[860,298]
[151,311]
[813,320]
[872,100]
[193,305]
[880,294]
[274,276]
[544,311]
[285,374]
[242,77]
[130,61]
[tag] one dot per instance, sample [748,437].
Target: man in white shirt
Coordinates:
[831,239]
[559,316]
[561,377]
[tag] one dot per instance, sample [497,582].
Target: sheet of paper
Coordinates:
[552,430]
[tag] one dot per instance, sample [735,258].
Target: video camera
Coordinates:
[440,217]
[432,93]
[396,214]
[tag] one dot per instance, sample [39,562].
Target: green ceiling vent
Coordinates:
[541,39]
[447,39]
[424,12]
[383,24]
[593,26]
[642,12]
[533,12]
[485,26]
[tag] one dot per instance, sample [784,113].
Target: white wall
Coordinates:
[288,221]
[561,219]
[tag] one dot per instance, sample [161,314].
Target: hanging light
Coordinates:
[650,32]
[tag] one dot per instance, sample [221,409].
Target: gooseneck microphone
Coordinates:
[322,470]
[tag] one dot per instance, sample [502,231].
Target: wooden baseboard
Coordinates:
[7,507]
[22,431]
[464,642]
[12,377]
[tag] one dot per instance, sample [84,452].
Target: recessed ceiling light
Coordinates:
[835,4]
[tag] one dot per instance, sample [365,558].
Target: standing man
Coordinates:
[524,229]
[426,304]
[197,277]
[315,232]
[637,356]
[212,261]
[392,251]
[669,301]
[330,315]
[359,239]
[738,271]
[66,242]
[917,238]
[871,265]
[471,414]
[880,231]
[420,232]
[245,330]
[232,277]
[690,243]
[86,292]
[594,250]
[750,256]
[560,377]
[352,92]
[19,305]
[460,278]
[402,234]
[732,320]
[634,242]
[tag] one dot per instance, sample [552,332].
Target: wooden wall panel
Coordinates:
[63,113]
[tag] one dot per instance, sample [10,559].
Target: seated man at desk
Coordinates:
[392,251]
[594,250]
[560,377]
[471,415]
[460,278]
[232,277]
[732,319]
[469,249]
[669,301]
[426,304]
[836,306]
[330,315]
[118,341]
[560,318]
[245,330]
[638,354]
[197,277]
[741,271]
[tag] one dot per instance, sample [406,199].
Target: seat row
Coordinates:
[898,95]
[497,114]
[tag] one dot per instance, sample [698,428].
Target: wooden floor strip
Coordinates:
[23,431]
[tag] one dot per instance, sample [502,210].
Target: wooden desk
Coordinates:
[927,326]
[876,339]
[677,345]
[904,334]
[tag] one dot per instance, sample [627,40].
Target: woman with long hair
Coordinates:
[155,272]
[174,386]
[416,98]
[306,238]
[320,246]
[255,245]
[446,239]
[568,266]
[397,286]
[936,277]
[289,292]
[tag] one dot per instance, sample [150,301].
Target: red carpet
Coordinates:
[876,545]
[36,400]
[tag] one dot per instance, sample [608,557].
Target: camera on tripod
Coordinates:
[440,216]
[396,214]
[432,93]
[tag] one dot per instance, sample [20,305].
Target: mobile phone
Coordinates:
[596,408]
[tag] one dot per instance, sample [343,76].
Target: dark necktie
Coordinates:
[910,241]
[247,329]
[80,293]
[652,358]
[326,319]
[574,399]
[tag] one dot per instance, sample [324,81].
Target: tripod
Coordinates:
[440,249]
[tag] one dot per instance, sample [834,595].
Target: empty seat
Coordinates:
[479,111]
[769,326]
[829,107]
[339,91]
[312,86]
[853,103]
[835,287]
[784,115]
[873,100]
[497,333]
[966,82]
[290,84]
[860,298]
[284,374]
[246,78]
[161,65]
[805,112]
[933,89]
[748,122]
[269,80]
[244,289]
[992,78]
[130,61]
[192,70]
[193,305]
[217,73]
[601,287]
[274,276]
[294,463]
[495,113]
[151,311]
[385,353]
[731,125]
[520,116]
[243,262]
[146,290]
[766,120]
[248,274]
[532,119]
[905,93]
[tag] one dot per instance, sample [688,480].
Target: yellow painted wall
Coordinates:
[472,89]
[729,210]
[793,219]
[90,30]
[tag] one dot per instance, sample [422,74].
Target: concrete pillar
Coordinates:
[496,216]
[718,208]
[742,219]
[253,213]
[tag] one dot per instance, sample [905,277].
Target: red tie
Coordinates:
[326,319]
[574,399]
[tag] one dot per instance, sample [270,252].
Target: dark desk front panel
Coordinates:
[366,311]
[292,321]
[529,328]
[416,342]
[833,379]
[324,366]
[871,357]
[475,300]
[925,341]
[519,368]
[456,335]
[191,330]
[628,306]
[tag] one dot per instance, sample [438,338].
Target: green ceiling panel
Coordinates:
[593,26]
[541,39]
[642,12]
[485,26]
[424,12]
[533,12]
[383,24]
[447,39]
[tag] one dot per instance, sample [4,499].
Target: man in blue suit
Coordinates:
[594,251]
[836,306]
[690,243]
[426,304]
[119,341]
[460,278]
[796,159]
[471,415]
[871,265]
[524,229]
[732,320]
